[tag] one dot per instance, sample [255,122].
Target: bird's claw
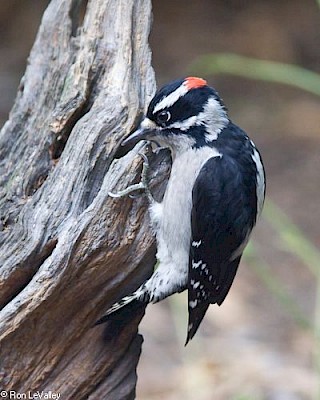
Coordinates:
[142,185]
[156,147]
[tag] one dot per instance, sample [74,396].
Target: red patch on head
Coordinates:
[193,83]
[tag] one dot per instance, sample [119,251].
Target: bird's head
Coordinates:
[184,113]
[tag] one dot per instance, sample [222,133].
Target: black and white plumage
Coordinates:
[214,196]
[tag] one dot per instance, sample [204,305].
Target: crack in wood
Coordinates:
[77,14]
[22,277]
[58,256]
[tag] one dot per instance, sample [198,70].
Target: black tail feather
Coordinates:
[195,317]
[119,320]
[123,314]
[231,271]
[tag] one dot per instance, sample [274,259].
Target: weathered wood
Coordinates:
[68,251]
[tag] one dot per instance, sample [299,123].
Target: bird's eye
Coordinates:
[163,117]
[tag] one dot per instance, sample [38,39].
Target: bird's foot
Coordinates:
[142,185]
[156,147]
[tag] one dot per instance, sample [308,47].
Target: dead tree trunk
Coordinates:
[68,251]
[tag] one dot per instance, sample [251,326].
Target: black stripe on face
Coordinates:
[161,94]
[191,104]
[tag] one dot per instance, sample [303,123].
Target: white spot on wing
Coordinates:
[203,266]
[193,303]
[196,265]
[196,244]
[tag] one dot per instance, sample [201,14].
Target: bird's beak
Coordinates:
[145,131]
[135,137]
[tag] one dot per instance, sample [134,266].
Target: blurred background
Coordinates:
[264,342]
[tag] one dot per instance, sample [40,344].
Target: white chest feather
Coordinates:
[172,217]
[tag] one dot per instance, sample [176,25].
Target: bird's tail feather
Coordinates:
[195,317]
[138,296]
[123,302]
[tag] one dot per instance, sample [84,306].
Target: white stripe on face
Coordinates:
[171,98]
[185,124]
[213,117]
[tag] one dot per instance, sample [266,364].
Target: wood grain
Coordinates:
[68,250]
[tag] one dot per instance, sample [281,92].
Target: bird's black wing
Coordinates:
[224,207]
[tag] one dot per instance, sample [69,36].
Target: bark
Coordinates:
[68,250]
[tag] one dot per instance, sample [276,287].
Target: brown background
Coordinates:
[250,348]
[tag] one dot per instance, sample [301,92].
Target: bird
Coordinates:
[213,198]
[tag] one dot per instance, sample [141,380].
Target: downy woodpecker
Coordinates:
[213,198]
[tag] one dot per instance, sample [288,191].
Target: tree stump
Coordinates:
[68,250]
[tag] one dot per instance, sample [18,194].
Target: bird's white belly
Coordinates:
[172,217]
